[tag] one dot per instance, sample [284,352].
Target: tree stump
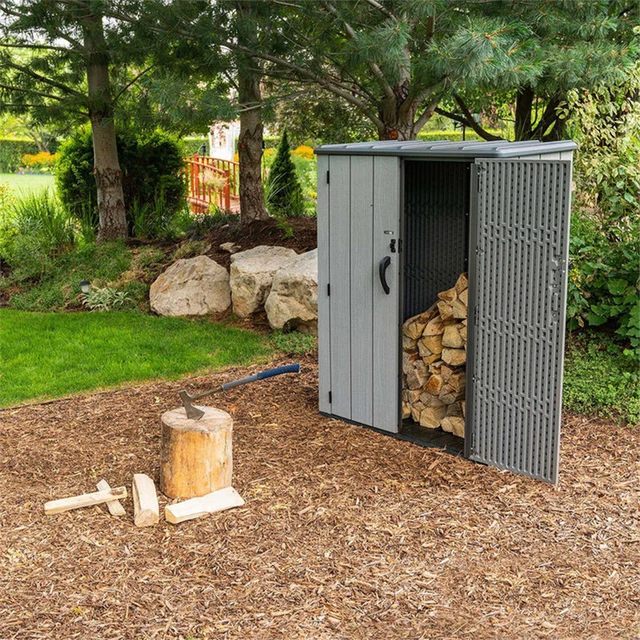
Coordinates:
[196,456]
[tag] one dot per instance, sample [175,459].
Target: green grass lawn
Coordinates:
[49,355]
[22,184]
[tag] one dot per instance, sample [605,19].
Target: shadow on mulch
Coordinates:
[346,533]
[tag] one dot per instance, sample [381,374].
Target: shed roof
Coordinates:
[446,149]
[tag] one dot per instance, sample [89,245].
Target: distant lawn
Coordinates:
[23,183]
[49,355]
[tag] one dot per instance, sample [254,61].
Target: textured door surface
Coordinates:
[518,274]
[358,217]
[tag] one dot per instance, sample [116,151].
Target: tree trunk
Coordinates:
[106,167]
[250,142]
[524,104]
[252,205]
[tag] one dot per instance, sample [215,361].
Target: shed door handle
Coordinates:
[384,264]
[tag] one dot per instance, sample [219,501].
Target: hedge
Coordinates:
[192,146]
[452,136]
[11,152]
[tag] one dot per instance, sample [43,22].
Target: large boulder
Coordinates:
[293,301]
[193,287]
[252,274]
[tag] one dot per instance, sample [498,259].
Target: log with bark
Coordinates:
[433,362]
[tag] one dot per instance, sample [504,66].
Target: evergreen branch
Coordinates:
[379,7]
[33,92]
[132,82]
[49,81]
[424,117]
[472,122]
[375,69]
[38,47]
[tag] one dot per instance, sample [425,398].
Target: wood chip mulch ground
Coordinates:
[346,533]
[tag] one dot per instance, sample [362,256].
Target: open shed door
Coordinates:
[359,289]
[518,279]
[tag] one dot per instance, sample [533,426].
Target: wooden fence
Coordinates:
[212,182]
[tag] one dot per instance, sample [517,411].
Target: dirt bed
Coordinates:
[346,533]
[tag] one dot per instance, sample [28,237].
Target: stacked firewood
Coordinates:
[433,362]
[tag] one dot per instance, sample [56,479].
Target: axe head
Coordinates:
[193,412]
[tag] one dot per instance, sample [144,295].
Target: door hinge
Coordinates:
[327,177]
[330,397]
[328,289]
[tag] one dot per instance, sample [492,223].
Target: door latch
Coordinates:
[392,245]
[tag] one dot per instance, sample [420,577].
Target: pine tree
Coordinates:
[284,194]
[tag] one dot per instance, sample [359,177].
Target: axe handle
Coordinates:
[269,373]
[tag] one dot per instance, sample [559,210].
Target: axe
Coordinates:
[195,414]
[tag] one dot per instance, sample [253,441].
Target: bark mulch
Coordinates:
[346,533]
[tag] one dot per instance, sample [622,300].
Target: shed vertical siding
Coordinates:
[518,276]
[387,207]
[340,281]
[362,284]
[324,315]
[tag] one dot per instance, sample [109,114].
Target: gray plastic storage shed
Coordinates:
[397,223]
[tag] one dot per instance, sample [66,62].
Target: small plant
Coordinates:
[105,299]
[294,342]
[283,192]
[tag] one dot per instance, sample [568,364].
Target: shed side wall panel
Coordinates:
[324,312]
[518,272]
[340,281]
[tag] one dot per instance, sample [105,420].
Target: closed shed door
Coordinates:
[518,275]
[358,342]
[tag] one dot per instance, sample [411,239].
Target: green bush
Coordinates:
[598,379]
[11,152]
[604,284]
[153,185]
[283,193]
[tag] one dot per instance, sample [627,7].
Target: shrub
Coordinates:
[153,185]
[604,284]
[41,161]
[191,146]
[453,136]
[294,342]
[283,192]
[304,151]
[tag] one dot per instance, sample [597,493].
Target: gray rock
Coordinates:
[293,300]
[193,287]
[252,274]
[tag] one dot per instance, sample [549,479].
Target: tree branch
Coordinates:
[36,76]
[132,82]
[379,7]
[375,69]
[471,122]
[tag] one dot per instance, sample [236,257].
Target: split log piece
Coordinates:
[455,357]
[146,511]
[432,416]
[85,500]
[462,283]
[434,384]
[451,337]
[114,506]
[220,500]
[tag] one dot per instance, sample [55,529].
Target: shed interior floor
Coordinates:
[436,438]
